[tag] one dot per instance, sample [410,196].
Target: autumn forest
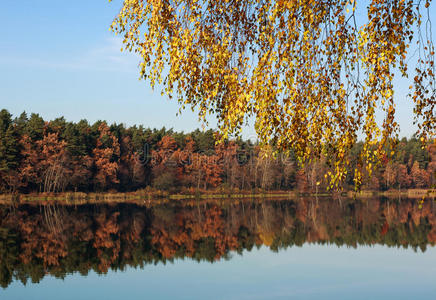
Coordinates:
[55,156]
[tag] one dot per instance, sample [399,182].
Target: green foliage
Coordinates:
[165,181]
[9,149]
[34,127]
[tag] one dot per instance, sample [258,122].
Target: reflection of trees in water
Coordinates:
[58,239]
[53,215]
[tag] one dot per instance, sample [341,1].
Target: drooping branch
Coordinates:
[309,75]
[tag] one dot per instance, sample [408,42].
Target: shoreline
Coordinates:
[159,196]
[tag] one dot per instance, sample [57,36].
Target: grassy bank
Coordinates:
[149,195]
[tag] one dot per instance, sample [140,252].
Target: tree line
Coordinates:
[36,240]
[58,155]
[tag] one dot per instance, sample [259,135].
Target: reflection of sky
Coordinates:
[309,272]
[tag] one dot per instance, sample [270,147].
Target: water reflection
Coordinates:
[36,240]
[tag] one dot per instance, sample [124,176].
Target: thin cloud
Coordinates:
[105,57]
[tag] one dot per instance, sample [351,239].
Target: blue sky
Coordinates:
[59,58]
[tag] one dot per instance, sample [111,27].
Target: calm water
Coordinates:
[250,249]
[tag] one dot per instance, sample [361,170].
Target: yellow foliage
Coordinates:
[303,69]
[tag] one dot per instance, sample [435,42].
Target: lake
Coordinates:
[305,248]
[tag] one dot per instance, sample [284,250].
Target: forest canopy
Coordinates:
[55,156]
[313,74]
